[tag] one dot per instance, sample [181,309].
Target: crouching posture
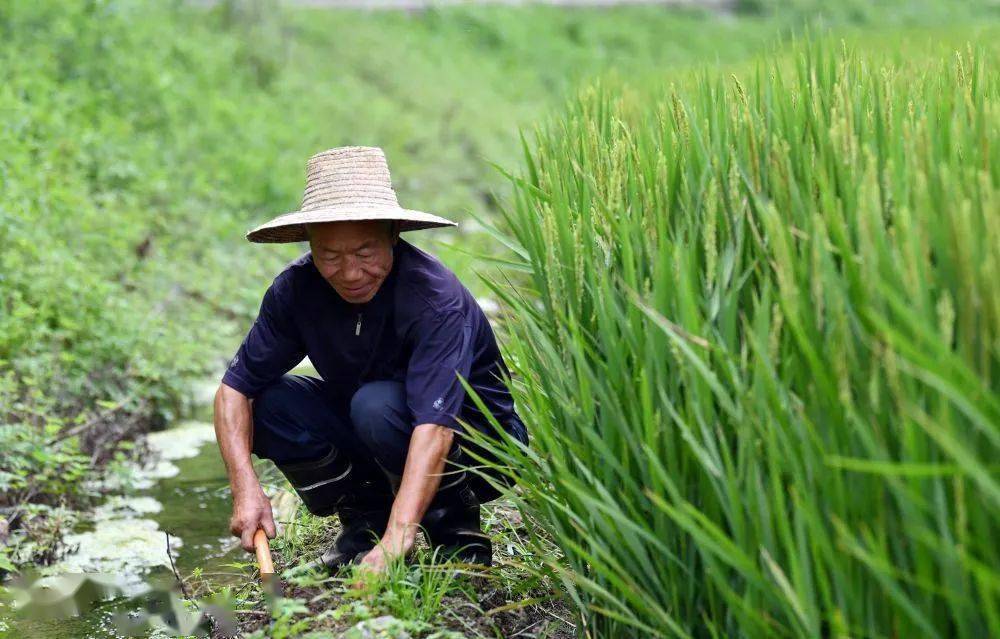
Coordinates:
[377,438]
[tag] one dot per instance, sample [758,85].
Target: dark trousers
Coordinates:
[296,419]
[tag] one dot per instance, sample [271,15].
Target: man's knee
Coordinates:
[378,412]
[277,399]
[287,420]
[373,402]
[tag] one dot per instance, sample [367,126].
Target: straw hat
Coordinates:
[347,183]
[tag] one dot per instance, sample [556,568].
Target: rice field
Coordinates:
[755,328]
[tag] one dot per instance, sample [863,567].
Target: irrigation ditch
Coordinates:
[164,515]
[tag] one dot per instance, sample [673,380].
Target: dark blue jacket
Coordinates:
[422,327]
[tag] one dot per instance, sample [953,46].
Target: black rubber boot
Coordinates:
[363,520]
[452,522]
[452,525]
[333,485]
[322,484]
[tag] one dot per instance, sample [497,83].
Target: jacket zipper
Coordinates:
[357,329]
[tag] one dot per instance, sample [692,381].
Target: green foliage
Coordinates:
[868,12]
[423,596]
[756,346]
[35,469]
[412,593]
[98,273]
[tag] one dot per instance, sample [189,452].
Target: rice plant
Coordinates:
[757,345]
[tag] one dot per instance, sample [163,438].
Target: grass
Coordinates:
[754,325]
[422,596]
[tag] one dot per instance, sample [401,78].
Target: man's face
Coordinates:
[354,257]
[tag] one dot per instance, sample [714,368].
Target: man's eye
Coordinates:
[365,255]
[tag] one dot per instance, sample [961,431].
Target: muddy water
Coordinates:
[184,492]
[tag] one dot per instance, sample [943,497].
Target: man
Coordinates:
[390,330]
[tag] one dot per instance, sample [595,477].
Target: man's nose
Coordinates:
[352,272]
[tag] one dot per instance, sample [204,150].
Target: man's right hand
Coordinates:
[234,431]
[251,512]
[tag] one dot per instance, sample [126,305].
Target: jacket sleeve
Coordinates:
[271,348]
[442,350]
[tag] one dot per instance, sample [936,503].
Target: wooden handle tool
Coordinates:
[263,550]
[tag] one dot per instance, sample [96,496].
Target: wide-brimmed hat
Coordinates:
[348,183]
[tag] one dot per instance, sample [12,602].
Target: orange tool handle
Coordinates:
[263,549]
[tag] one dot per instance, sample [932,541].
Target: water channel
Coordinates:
[182,490]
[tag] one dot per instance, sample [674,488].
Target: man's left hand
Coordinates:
[425,461]
[375,563]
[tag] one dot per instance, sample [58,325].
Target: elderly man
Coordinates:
[389,329]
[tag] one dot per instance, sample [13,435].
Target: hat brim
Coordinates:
[291,227]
